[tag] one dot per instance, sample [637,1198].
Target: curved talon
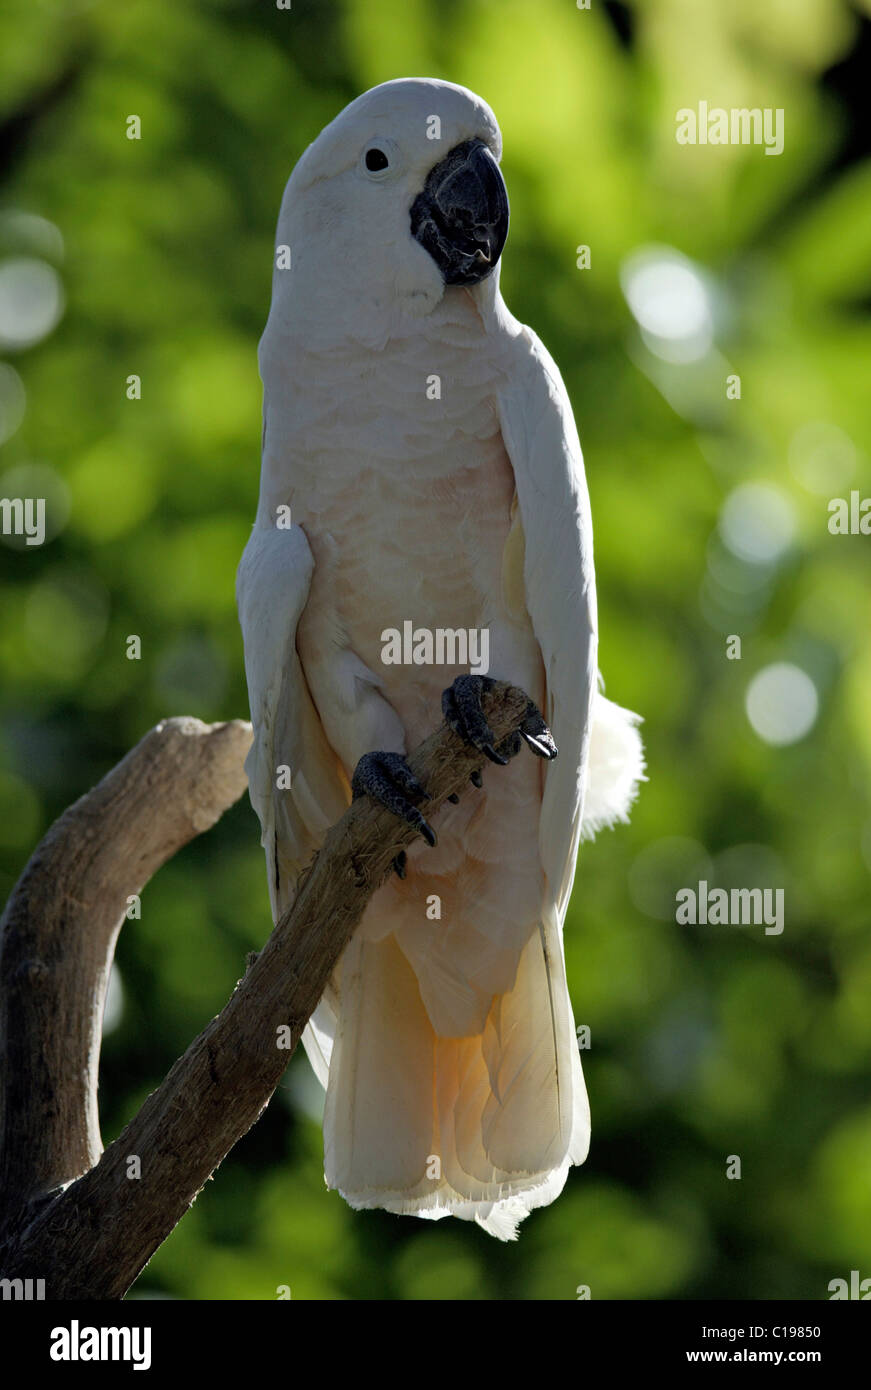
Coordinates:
[454,798]
[399,863]
[541,750]
[426,830]
[494,757]
[476,779]
[537,735]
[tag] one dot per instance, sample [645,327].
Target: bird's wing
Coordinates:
[549,567]
[272,587]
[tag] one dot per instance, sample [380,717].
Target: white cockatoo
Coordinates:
[421,466]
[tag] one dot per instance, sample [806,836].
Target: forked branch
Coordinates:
[68,1214]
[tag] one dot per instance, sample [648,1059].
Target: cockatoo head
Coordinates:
[397,199]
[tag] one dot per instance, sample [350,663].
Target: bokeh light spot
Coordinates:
[782,703]
[670,302]
[31,301]
[757,523]
[822,457]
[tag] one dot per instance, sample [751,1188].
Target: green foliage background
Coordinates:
[706,1041]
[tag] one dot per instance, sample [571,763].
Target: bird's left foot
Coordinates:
[388,779]
[461,707]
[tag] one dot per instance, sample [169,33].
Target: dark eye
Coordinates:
[376,159]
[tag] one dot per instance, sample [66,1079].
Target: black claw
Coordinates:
[426,830]
[399,863]
[388,779]
[537,735]
[494,757]
[476,779]
[540,749]
[454,798]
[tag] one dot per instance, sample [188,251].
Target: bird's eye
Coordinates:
[376,159]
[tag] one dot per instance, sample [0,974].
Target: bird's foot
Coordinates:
[461,706]
[388,779]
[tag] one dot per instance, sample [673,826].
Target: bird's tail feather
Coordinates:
[615,766]
[484,1128]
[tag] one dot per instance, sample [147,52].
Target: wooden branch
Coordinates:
[94,1238]
[58,934]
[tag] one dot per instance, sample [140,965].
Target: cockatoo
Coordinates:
[421,466]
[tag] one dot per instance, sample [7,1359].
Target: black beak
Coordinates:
[461,217]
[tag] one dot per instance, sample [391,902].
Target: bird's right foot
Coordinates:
[461,706]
